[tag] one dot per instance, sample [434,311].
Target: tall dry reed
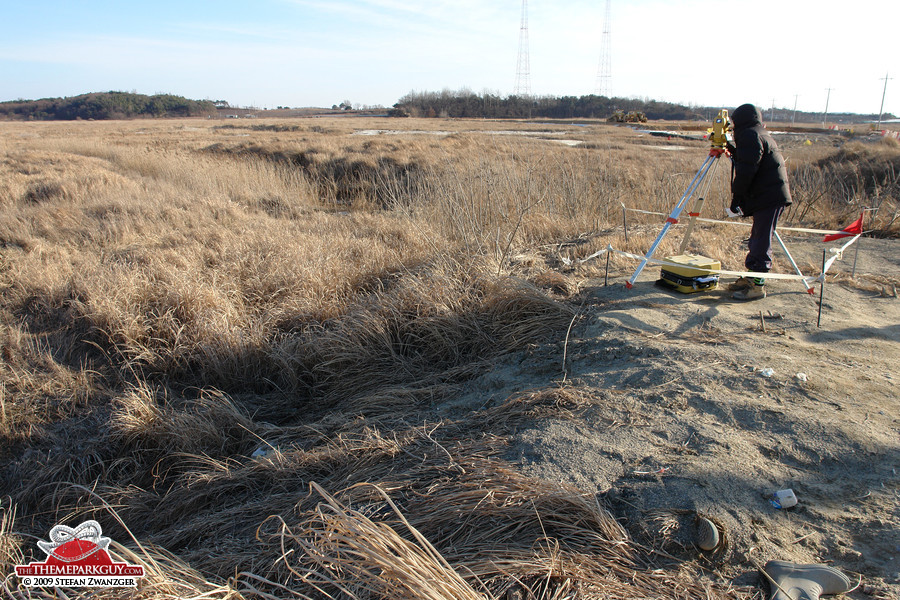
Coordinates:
[229,336]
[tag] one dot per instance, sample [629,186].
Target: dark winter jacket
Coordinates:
[760,178]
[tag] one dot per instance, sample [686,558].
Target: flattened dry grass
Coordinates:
[229,338]
[427,511]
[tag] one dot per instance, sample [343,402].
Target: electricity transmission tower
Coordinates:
[604,74]
[523,65]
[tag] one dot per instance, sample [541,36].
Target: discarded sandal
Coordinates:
[790,581]
[707,534]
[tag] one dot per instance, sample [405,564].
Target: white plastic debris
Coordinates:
[783,499]
[767,372]
[802,377]
[260,452]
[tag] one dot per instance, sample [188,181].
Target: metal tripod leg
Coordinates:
[676,212]
[806,284]
[698,208]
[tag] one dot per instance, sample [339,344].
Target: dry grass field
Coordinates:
[233,343]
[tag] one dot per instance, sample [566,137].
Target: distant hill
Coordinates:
[105,105]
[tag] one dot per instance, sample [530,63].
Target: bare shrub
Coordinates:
[833,190]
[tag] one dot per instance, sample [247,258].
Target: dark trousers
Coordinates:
[759,258]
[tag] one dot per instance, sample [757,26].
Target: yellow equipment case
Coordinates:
[690,273]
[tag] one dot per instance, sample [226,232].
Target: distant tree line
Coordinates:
[467,104]
[453,104]
[106,105]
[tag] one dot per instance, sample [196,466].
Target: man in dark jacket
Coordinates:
[759,189]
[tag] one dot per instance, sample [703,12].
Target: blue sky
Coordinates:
[270,53]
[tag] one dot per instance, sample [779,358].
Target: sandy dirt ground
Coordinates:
[674,405]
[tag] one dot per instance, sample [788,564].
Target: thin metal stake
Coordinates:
[822,290]
[856,251]
[625,224]
[606,277]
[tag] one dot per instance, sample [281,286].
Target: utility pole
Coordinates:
[825,117]
[794,116]
[772,112]
[880,110]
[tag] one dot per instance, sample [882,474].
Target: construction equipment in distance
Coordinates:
[633,116]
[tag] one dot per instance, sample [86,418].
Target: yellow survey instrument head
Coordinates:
[720,127]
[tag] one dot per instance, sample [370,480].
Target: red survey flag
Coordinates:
[854,228]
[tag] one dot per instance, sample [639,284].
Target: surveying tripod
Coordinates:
[718,146]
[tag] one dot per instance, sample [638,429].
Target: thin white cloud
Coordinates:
[138,52]
[437,15]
